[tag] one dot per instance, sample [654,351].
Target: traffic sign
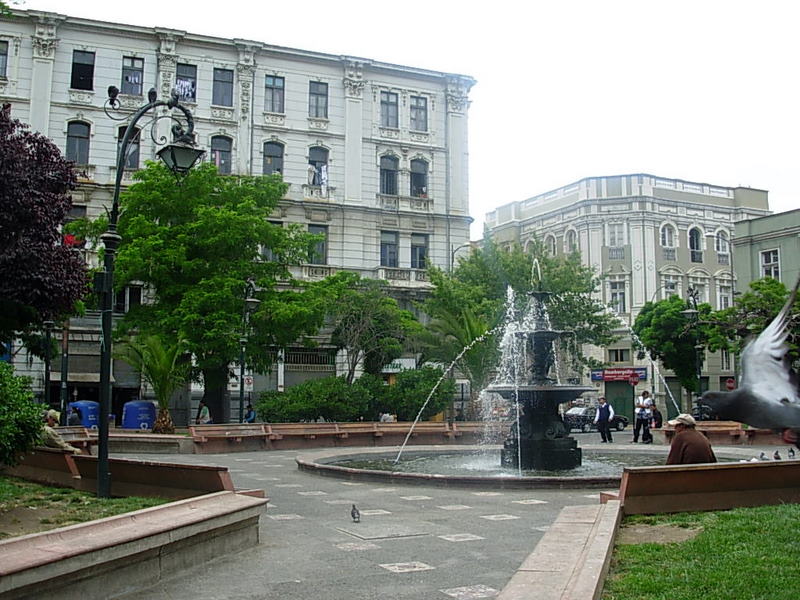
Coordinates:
[730,384]
[634,379]
[248,383]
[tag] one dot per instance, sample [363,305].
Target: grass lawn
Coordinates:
[741,554]
[27,507]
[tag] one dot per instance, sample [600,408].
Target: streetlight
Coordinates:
[180,157]
[692,314]
[48,330]
[250,305]
[453,254]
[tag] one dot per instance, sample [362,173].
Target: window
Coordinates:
[617,294]
[82,70]
[317,166]
[619,355]
[127,298]
[78,142]
[724,297]
[273,94]
[700,286]
[667,236]
[695,245]
[318,254]
[389,109]
[616,235]
[572,241]
[132,75]
[770,264]
[550,245]
[221,153]
[389,166]
[419,251]
[222,93]
[273,158]
[725,360]
[186,82]
[132,159]
[419,113]
[419,178]
[267,254]
[317,100]
[722,242]
[388,248]
[3,59]
[671,286]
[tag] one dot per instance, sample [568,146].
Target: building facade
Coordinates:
[375,154]
[649,237]
[768,247]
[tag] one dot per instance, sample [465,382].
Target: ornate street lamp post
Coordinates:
[48,330]
[693,315]
[180,157]
[250,305]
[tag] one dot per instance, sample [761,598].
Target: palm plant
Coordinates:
[162,366]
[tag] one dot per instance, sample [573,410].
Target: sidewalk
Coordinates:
[413,542]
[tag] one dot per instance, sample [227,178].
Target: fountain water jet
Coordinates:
[539,440]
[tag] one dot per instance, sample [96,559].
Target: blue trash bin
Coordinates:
[138,414]
[90,412]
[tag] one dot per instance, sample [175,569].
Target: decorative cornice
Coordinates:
[44,37]
[353,78]
[456,94]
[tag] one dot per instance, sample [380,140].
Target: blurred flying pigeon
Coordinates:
[763,456]
[791,452]
[777,455]
[355,514]
[767,396]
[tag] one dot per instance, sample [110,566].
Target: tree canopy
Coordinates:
[195,245]
[41,277]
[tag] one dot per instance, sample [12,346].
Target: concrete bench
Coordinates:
[232,432]
[712,486]
[309,431]
[122,554]
[50,466]
[717,432]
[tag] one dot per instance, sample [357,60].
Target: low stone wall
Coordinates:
[571,560]
[119,555]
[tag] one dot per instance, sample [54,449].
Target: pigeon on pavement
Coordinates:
[763,456]
[767,396]
[777,455]
[355,514]
[791,452]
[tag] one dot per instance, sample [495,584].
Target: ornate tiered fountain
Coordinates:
[539,440]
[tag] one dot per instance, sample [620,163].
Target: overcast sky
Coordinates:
[702,90]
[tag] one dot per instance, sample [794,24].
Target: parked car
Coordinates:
[582,418]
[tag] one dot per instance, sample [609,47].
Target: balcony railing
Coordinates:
[616,253]
[407,203]
[696,256]
[669,253]
[723,258]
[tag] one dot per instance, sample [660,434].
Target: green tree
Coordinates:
[369,324]
[20,416]
[470,302]
[671,337]
[750,313]
[195,245]
[162,365]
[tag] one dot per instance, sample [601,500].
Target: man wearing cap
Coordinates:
[689,446]
[51,438]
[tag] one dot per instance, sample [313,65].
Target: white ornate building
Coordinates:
[649,237]
[375,153]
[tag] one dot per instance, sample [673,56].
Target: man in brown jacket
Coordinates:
[689,446]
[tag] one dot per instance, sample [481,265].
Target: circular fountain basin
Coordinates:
[472,466]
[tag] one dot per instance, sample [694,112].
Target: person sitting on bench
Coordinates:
[689,446]
[51,438]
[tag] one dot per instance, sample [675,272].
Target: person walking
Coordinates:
[644,412]
[689,446]
[602,418]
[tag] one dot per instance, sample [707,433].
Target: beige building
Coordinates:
[649,237]
[375,154]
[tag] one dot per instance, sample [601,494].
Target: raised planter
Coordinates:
[122,554]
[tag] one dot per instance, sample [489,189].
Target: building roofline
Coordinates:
[261,46]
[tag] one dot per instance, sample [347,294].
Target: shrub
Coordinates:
[331,398]
[20,416]
[412,388]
